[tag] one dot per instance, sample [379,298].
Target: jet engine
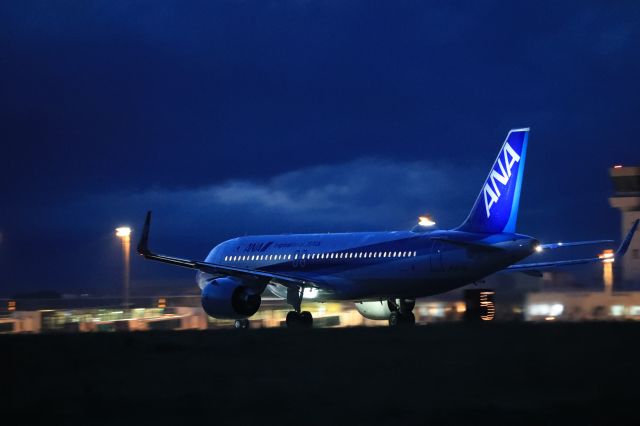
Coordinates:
[230,298]
[381,309]
[376,310]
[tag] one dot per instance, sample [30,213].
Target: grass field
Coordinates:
[438,374]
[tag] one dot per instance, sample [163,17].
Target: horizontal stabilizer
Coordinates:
[540,265]
[553,246]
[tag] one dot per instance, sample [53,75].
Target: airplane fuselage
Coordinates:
[374,265]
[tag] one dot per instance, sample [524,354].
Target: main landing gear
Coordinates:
[296,318]
[401,312]
[303,319]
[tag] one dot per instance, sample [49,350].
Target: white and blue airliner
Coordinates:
[382,272]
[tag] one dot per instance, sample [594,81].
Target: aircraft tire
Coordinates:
[243,323]
[395,319]
[409,319]
[293,319]
[306,319]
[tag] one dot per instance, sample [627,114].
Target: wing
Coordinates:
[212,268]
[522,267]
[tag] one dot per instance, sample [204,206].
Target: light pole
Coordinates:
[124,233]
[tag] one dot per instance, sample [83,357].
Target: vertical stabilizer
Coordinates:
[496,208]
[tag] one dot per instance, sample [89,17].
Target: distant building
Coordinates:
[626,198]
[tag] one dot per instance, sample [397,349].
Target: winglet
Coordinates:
[143,244]
[627,240]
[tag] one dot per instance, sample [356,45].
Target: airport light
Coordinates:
[617,166]
[124,233]
[539,248]
[425,221]
[608,257]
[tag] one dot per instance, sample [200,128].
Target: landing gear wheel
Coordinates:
[293,319]
[410,319]
[306,319]
[299,320]
[243,323]
[397,319]
[394,319]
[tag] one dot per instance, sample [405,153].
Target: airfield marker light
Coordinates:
[425,221]
[617,166]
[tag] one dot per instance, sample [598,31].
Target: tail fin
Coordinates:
[496,208]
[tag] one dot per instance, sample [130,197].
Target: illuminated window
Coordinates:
[289,257]
[414,254]
[313,256]
[304,256]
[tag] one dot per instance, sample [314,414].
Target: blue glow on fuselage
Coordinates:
[367,265]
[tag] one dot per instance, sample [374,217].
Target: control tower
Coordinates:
[626,198]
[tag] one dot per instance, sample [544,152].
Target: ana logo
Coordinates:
[505,162]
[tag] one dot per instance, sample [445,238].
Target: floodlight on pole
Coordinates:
[124,233]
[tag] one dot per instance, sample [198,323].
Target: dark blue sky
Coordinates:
[236,117]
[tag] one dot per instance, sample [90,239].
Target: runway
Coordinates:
[500,373]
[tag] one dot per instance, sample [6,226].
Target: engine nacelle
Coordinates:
[230,298]
[376,310]
[381,309]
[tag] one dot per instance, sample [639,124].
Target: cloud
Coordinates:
[364,194]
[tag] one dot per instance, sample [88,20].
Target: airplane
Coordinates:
[383,273]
